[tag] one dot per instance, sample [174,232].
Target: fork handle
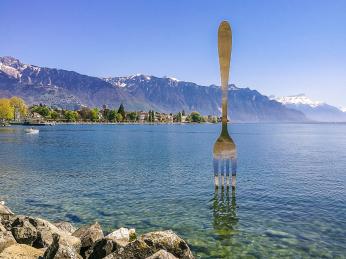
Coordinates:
[224,48]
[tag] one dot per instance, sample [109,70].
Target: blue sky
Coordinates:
[280,47]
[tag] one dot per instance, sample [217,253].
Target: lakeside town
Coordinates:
[15,111]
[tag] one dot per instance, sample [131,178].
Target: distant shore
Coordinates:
[108,123]
[164,123]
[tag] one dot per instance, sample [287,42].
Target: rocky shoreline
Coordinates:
[30,237]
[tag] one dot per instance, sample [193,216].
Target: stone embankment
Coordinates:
[29,237]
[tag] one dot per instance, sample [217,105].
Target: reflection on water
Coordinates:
[225,218]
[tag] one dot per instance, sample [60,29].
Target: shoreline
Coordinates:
[33,237]
[169,123]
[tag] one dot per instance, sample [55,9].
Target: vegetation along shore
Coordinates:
[14,110]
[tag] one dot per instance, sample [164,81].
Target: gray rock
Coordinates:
[6,223]
[123,236]
[162,254]
[65,226]
[58,251]
[161,244]
[137,249]
[101,248]
[5,212]
[67,252]
[23,231]
[21,251]
[88,235]
[6,238]
[38,233]
[53,248]
[168,241]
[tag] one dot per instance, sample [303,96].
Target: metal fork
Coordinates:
[224,152]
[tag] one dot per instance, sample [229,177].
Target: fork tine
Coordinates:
[222,172]
[234,171]
[227,172]
[216,172]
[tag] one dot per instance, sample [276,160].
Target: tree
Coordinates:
[94,114]
[42,110]
[6,109]
[112,115]
[195,117]
[121,110]
[151,116]
[132,116]
[179,117]
[18,103]
[85,113]
[54,115]
[71,116]
[119,117]
[106,113]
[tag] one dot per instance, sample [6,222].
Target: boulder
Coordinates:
[58,251]
[38,233]
[23,231]
[53,248]
[20,251]
[5,212]
[137,249]
[88,235]
[101,248]
[65,226]
[6,224]
[162,254]
[123,236]
[6,238]
[67,252]
[169,241]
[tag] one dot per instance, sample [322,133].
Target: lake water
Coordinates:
[290,199]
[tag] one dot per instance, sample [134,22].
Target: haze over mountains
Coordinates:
[71,90]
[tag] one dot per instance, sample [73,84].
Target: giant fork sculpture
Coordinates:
[225,152]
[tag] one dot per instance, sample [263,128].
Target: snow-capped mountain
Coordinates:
[314,110]
[298,99]
[15,68]
[68,89]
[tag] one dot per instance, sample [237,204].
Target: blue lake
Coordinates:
[290,199]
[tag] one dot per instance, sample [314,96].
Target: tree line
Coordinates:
[9,107]
[15,105]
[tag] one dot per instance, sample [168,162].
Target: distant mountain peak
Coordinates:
[128,81]
[314,110]
[172,78]
[10,61]
[298,99]
[11,66]
[140,76]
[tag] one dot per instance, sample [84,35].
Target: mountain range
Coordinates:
[313,110]
[71,90]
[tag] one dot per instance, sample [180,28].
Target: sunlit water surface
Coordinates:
[290,198]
